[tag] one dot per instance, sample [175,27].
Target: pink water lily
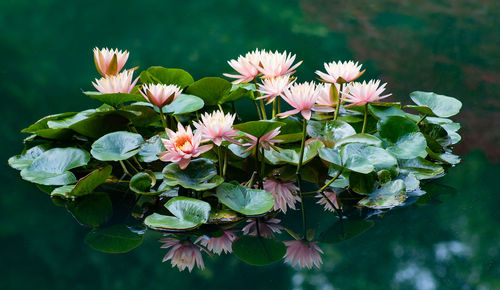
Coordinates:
[327,205]
[275,64]
[267,227]
[266,141]
[273,87]
[216,127]
[220,244]
[160,95]
[109,61]
[246,66]
[362,93]
[120,83]
[182,146]
[303,254]
[325,101]
[340,72]
[302,97]
[284,193]
[183,254]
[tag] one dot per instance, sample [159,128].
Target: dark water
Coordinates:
[450,47]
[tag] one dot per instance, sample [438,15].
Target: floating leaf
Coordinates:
[344,230]
[245,200]
[93,209]
[42,123]
[291,156]
[199,175]
[330,132]
[166,76]
[25,159]
[143,182]
[258,128]
[381,112]
[436,136]
[85,185]
[434,104]
[114,239]
[360,138]
[387,196]
[362,183]
[184,104]
[421,168]
[210,89]
[114,99]
[116,146]
[150,149]
[188,213]
[402,137]
[258,251]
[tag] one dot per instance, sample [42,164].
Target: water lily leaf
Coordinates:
[344,230]
[445,157]
[184,104]
[224,216]
[42,123]
[239,150]
[143,182]
[245,200]
[387,196]
[113,239]
[258,251]
[421,168]
[362,183]
[114,99]
[25,159]
[381,112]
[360,138]
[330,132]
[52,166]
[210,89]
[402,137]
[258,128]
[188,213]
[150,149]
[85,185]
[291,156]
[93,209]
[435,105]
[375,156]
[199,175]
[236,93]
[166,76]
[116,146]
[436,136]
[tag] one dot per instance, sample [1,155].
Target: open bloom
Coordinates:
[266,141]
[303,254]
[182,254]
[220,244]
[275,64]
[302,97]
[182,146]
[267,227]
[273,87]
[109,61]
[340,72]
[283,193]
[246,66]
[120,83]
[160,95]
[216,126]
[362,93]
[328,205]
[326,101]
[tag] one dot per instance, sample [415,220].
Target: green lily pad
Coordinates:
[360,138]
[402,137]
[210,89]
[381,112]
[330,132]
[188,213]
[184,104]
[421,168]
[387,196]
[143,182]
[344,230]
[436,136]
[291,156]
[258,251]
[166,76]
[235,94]
[245,200]
[116,146]
[85,185]
[150,149]
[377,157]
[113,239]
[42,123]
[25,159]
[258,128]
[435,105]
[52,166]
[115,99]
[362,183]
[199,175]
[93,209]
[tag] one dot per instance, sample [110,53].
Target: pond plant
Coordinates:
[169,154]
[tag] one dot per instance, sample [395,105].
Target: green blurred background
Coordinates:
[448,46]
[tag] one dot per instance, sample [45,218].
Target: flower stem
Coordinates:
[330,182]
[263,109]
[339,99]
[132,166]
[257,164]
[299,176]
[302,145]
[364,119]
[421,119]
[163,120]
[124,168]
[257,108]
[274,108]
[219,154]
[279,105]
[225,163]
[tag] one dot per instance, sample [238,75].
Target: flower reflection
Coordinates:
[284,193]
[219,244]
[303,254]
[267,227]
[183,254]
[324,202]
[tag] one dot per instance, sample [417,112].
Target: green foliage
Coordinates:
[259,251]
[116,146]
[433,104]
[166,76]
[245,200]
[188,213]
[199,175]
[258,128]
[113,239]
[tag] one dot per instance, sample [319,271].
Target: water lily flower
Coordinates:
[333,199]
[183,254]
[304,254]
[160,95]
[109,61]
[219,244]
[273,87]
[120,83]
[340,72]
[362,93]
[182,146]
[246,66]
[325,101]
[267,227]
[283,193]
[217,127]
[266,141]
[277,64]
[302,97]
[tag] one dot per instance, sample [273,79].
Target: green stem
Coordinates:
[132,166]
[279,104]
[124,168]
[299,176]
[263,109]
[219,153]
[163,119]
[257,108]
[274,108]
[364,119]
[262,163]
[257,164]
[421,119]
[137,162]
[220,107]
[225,163]
[302,145]
[339,100]
[330,182]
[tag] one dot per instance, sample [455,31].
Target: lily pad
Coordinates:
[210,89]
[362,183]
[360,138]
[387,196]
[85,185]
[421,168]
[150,149]
[25,159]
[435,105]
[166,76]
[184,104]
[330,132]
[199,175]
[188,213]
[245,200]
[258,128]
[258,251]
[291,156]
[402,137]
[143,182]
[116,146]
[114,99]
[114,239]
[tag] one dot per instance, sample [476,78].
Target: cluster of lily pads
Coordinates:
[339,146]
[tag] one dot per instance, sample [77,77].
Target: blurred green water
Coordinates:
[450,48]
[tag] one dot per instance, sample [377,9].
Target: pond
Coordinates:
[448,239]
